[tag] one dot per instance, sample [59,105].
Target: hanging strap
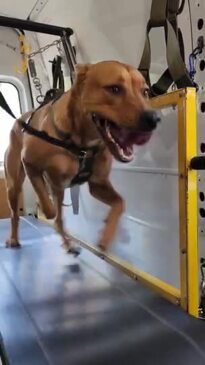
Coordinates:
[164,14]
[4,105]
[58,79]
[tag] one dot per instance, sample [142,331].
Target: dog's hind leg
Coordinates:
[104,191]
[38,183]
[15,175]
[59,224]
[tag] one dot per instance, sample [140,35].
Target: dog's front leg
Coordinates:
[104,191]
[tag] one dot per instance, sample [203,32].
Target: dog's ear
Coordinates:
[80,73]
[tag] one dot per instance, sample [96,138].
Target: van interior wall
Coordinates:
[116,30]
[10,60]
[198,24]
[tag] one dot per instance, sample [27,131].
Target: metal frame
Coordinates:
[31,26]
[188,295]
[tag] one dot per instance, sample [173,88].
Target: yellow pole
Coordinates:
[192,209]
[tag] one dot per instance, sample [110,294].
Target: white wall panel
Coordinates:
[104,29]
[20,9]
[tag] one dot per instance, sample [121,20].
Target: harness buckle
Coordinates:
[26,123]
[83,154]
[82,157]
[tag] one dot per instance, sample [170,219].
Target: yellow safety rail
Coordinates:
[185,101]
[188,295]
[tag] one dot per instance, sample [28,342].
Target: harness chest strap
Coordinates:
[85,156]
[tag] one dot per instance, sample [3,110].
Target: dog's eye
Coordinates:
[145,93]
[114,89]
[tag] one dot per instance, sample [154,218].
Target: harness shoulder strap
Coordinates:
[66,144]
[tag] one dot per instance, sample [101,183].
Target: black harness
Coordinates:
[84,155]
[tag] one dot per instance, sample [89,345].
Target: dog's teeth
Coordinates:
[123,155]
[94,116]
[110,135]
[107,127]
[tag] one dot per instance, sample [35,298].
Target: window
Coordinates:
[11,95]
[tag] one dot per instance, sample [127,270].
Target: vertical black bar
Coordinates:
[69,53]
[3,355]
[72,53]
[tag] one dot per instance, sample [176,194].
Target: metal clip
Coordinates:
[82,157]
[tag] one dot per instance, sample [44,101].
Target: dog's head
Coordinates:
[115,97]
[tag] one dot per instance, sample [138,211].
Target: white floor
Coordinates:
[153,248]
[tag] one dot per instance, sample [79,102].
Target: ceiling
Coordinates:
[21,9]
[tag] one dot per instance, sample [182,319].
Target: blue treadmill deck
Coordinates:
[56,309]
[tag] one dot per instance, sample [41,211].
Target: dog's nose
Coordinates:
[148,120]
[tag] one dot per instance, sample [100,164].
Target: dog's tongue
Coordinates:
[126,137]
[141,138]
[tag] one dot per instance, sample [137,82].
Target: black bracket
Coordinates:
[197,163]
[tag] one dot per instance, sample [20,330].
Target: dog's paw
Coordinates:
[102,246]
[12,243]
[75,251]
[66,245]
[104,241]
[70,248]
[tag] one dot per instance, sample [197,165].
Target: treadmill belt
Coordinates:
[56,309]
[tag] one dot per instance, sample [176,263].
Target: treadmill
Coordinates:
[57,309]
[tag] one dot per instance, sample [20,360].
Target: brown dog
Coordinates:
[104,114]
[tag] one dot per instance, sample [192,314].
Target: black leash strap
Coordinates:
[4,105]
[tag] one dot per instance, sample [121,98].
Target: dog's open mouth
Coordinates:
[120,141]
